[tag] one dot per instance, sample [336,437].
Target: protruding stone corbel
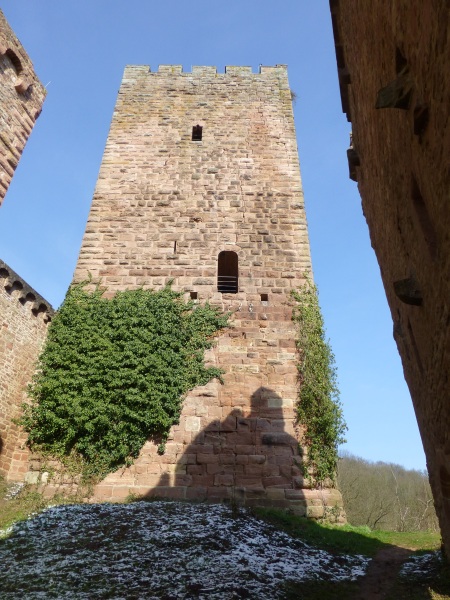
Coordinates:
[11,285]
[408,291]
[344,76]
[398,93]
[353,160]
[22,85]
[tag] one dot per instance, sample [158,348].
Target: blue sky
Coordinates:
[79,50]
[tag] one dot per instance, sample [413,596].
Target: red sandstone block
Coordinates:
[186,459]
[286,471]
[175,493]
[151,480]
[207,458]
[253,469]
[244,480]
[275,493]
[271,470]
[153,468]
[182,480]
[20,469]
[201,448]
[203,480]
[103,491]
[228,424]
[295,495]
[216,494]
[227,459]
[245,449]
[139,469]
[120,492]
[214,468]
[276,481]
[196,469]
[258,459]
[223,479]
[197,493]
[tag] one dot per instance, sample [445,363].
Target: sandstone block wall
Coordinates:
[164,208]
[394,73]
[21,99]
[24,318]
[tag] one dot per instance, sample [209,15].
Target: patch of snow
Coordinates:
[159,549]
[421,565]
[14,490]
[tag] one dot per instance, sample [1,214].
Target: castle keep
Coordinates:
[200,184]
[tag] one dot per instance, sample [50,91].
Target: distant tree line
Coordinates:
[386,496]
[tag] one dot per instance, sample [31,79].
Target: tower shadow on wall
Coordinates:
[248,458]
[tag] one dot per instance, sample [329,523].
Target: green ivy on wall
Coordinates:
[319,410]
[114,372]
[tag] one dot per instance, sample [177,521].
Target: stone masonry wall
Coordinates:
[164,207]
[24,317]
[21,99]
[394,72]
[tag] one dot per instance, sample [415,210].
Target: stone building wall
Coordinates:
[165,206]
[394,73]
[21,99]
[24,318]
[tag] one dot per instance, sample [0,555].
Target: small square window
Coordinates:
[194,295]
[264,297]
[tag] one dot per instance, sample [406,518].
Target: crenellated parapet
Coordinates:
[208,75]
[24,322]
[18,288]
[210,70]
[21,99]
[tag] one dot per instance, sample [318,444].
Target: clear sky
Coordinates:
[79,50]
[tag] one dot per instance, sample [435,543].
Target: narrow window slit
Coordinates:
[175,247]
[197,132]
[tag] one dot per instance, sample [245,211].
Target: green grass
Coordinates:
[346,538]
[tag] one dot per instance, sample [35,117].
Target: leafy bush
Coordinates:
[318,408]
[114,373]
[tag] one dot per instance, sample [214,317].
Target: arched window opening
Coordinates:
[197,132]
[227,272]
[15,60]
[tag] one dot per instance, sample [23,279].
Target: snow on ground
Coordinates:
[422,566]
[159,550]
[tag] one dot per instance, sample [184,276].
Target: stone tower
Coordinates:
[200,184]
[21,99]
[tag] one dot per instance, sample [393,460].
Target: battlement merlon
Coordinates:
[133,71]
[11,281]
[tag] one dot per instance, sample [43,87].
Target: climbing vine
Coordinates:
[319,410]
[114,372]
